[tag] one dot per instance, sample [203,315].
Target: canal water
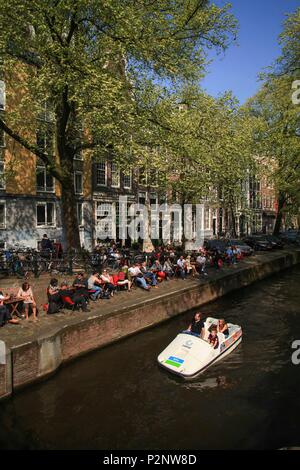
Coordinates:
[118,397]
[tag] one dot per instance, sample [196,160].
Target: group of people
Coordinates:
[162,264]
[197,328]
[25,295]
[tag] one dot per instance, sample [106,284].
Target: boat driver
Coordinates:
[197,325]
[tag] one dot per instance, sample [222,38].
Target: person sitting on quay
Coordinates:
[108,282]
[137,275]
[229,255]
[5,315]
[149,275]
[95,284]
[54,297]
[201,263]
[168,268]
[190,266]
[77,298]
[81,285]
[157,269]
[25,293]
[181,266]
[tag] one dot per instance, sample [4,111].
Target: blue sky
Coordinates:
[260,23]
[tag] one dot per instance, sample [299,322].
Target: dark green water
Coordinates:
[118,398]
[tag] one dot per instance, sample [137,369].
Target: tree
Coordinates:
[277,142]
[207,146]
[87,59]
[277,122]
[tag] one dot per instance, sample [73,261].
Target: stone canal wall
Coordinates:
[34,358]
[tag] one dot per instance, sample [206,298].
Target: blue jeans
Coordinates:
[141,282]
[97,292]
[152,277]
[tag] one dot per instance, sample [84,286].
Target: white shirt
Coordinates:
[181,263]
[135,270]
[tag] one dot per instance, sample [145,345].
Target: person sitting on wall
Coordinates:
[5,315]
[81,285]
[159,271]
[26,294]
[168,268]
[54,297]
[149,275]
[78,299]
[95,284]
[108,282]
[137,275]
[181,267]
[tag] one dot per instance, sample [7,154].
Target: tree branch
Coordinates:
[31,148]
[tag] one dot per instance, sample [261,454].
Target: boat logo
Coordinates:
[174,361]
[188,344]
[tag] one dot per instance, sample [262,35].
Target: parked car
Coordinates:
[291,237]
[212,245]
[245,249]
[258,243]
[275,241]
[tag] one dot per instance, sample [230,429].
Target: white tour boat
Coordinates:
[188,355]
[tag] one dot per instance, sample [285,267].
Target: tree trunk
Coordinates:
[147,242]
[278,223]
[69,215]
[233,222]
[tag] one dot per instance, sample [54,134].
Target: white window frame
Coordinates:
[80,173]
[80,221]
[207,213]
[105,169]
[2,172]
[54,214]
[115,171]
[3,93]
[40,167]
[3,227]
[129,175]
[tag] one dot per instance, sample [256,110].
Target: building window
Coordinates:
[2,177]
[44,181]
[2,95]
[152,177]
[207,219]
[45,214]
[2,215]
[80,213]
[101,173]
[44,140]
[115,175]
[78,182]
[127,180]
[142,177]
[46,112]
[2,139]
[104,219]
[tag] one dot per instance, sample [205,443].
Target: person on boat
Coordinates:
[197,325]
[223,327]
[213,338]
